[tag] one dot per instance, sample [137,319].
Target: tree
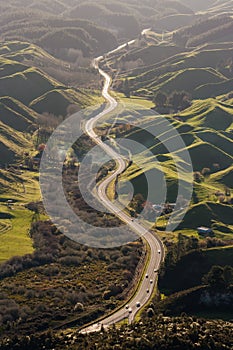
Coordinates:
[137,203]
[126,87]
[197,176]
[205,172]
[160,99]
[228,275]
[193,243]
[215,278]
[179,100]
[181,246]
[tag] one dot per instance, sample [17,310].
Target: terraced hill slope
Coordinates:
[25,92]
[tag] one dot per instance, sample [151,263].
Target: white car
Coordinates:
[155,270]
[147,275]
[151,281]
[127,306]
[147,290]
[159,251]
[130,310]
[138,304]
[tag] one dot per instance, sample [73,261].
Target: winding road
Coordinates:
[149,279]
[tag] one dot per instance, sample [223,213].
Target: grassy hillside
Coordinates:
[225,176]
[57,101]
[188,80]
[45,55]
[20,188]
[196,72]
[213,89]
[197,262]
[12,143]
[28,83]
[205,130]
[205,214]
[24,91]
[209,114]
[89,27]
[198,59]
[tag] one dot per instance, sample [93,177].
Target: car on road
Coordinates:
[147,275]
[151,281]
[148,290]
[130,310]
[138,304]
[156,270]
[127,306]
[159,251]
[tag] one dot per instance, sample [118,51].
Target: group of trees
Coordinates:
[56,35]
[56,281]
[176,250]
[177,100]
[219,278]
[56,266]
[200,176]
[157,332]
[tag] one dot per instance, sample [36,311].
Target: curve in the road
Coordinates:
[149,280]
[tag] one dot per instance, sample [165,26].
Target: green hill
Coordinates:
[173,22]
[202,82]
[56,101]
[31,87]
[22,51]
[15,120]
[209,113]
[151,54]
[225,176]
[26,90]
[205,214]
[199,263]
[213,89]
[27,85]
[8,67]
[19,108]
[12,144]
[188,80]
[210,155]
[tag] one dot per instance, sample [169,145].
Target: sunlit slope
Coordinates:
[187,79]
[203,72]
[210,113]
[30,85]
[12,144]
[26,85]
[225,176]
[56,101]
[19,51]
[26,92]
[205,128]
[207,213]
[16,121]
[16,115]
[213,89]
[178,58]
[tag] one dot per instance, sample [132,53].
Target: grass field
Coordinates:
[14,234]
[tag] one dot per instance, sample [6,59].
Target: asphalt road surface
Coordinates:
[149,279]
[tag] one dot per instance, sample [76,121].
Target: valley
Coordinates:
[171,129]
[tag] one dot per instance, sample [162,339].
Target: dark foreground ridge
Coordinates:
[162,333]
